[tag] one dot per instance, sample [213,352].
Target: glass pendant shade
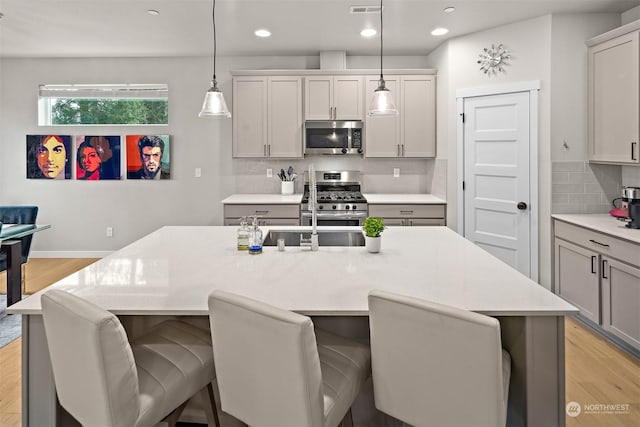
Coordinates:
[214,104]
[382,103]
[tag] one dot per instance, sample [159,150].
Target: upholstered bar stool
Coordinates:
[436,365]
[273,370]
[104,380]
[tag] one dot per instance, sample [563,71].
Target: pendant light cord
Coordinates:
[380,39]
[213,17]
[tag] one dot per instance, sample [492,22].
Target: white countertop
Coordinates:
[410,199]
[604,223]
[262,199]
[172,271]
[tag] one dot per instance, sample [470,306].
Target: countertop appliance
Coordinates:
[340,201]
[631,195]
[333,137]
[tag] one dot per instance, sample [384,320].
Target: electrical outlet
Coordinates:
[396,172]
[109,231]
[198,172]
[269,173]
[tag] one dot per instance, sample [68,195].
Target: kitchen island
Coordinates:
[171,271]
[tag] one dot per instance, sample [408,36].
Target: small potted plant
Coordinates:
[372,227]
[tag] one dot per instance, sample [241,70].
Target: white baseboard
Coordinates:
[69,254]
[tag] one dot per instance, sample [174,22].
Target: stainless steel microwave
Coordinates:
[333,137]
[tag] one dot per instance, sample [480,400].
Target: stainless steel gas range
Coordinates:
[340,201]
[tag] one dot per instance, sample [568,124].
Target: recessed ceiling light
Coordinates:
[262,33]
[368,32]
[439,32]
[153,12]
[449,9]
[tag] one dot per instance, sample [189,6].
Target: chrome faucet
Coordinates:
[312,241]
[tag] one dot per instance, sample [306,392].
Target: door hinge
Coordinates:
[462,115]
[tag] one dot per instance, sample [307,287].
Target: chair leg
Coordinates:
[173,417]
[210,410]
[347,421]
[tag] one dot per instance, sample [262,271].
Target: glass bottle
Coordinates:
[243,235]
[255,238]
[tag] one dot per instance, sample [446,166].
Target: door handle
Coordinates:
[633,151]
[604,269]
[593,267]
[269,150]
[398,150]
[521,206]
[264,150]
[402,150]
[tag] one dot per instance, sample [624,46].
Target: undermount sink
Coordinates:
[325,238]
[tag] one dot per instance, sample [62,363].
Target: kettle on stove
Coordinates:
[631,215]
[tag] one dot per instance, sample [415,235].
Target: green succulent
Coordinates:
[373,226]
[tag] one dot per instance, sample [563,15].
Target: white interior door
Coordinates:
[496,176]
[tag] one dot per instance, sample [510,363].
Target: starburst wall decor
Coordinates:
[493,60]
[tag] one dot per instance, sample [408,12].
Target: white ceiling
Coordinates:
[97,28]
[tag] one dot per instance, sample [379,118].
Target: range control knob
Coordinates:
[359,150]
[320,207]
[347,207]
[334,206]
[344,151]
[353,207]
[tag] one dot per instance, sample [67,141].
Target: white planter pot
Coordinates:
[287,188]
[372,244]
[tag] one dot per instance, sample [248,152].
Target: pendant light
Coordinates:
[382,103]
[214,105]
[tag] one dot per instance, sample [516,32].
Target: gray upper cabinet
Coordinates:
[412,133]
[267,116]
[614,99]
[334,98]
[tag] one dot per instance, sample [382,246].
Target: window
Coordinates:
[108,104]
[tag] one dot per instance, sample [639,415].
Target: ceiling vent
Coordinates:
[364,9]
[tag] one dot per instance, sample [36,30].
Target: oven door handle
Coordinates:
[336,216]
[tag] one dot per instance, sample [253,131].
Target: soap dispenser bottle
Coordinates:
[255,238]
[243,235]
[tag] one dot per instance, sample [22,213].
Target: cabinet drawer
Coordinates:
[265,222]
[264,211]
[599,242]
[407,211]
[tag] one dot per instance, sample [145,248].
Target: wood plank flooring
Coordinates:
[597,372]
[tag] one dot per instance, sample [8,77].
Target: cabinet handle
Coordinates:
[633,151]
[604,269]
[406,212]
[262,212]
[330,113]
[398,150]
[335,112]
[593,267]
[402,150]
[264,150]
[269,150]
[598,243]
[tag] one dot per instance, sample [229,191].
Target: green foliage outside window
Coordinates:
[74,111]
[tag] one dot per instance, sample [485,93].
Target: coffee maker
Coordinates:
[631,195]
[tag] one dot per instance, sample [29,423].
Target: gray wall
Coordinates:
[80,211]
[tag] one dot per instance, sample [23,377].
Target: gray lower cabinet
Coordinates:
[409,214]
[621,300]
[600,274]
[267,214]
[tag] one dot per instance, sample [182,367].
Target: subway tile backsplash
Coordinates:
[583,187]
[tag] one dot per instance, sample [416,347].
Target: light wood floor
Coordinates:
[597,372]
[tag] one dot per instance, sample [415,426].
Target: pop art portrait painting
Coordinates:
[148,157]
[97,157]
[48,156]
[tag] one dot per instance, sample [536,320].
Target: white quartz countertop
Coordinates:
[262,199]
[401,199]
[603,223]
[173,270]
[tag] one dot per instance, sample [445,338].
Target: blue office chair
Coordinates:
[18,215]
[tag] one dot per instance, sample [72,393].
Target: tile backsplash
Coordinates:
[631,175]
[583,187]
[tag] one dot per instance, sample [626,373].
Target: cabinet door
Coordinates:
[614,100]
[318,99]
[348,97]
[285,117]
[250,117]
[621,300]
[382,133]
[418,119]
[577,278]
